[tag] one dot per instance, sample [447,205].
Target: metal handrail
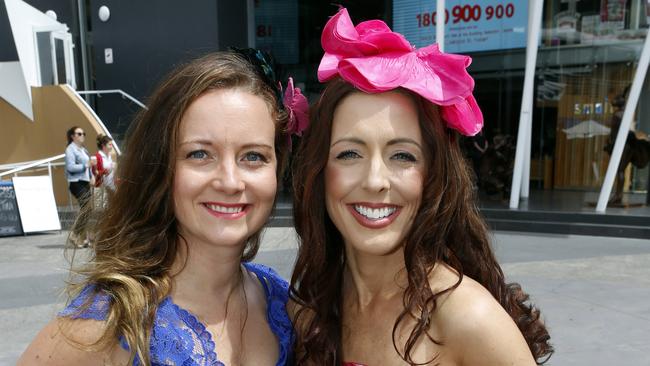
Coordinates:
[17,165]
[94,114]
[33,164]
[114,91]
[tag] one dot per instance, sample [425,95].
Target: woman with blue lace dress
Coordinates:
[170,280]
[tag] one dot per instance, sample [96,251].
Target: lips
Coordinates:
[374,215]
[228,211]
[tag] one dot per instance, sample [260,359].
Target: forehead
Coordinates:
[386,115]
[228,114]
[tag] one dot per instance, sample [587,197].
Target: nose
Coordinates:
[228,177]
[377,179]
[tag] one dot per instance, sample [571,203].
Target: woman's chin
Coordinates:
[379,245]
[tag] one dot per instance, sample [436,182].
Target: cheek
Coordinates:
[340,180]
[264,184]
[335,183]
[412,186]
[183,188]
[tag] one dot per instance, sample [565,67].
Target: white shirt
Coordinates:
[108,165]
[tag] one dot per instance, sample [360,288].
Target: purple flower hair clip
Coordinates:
[297,107]
[292,100]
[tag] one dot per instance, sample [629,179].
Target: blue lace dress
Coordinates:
[179,338]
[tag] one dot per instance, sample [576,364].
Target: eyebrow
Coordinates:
[401,140]
[199,142]
[209,143]
[404,140]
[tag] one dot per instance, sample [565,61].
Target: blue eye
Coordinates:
[255,157]
[197,154]
[348,155]
[404,156]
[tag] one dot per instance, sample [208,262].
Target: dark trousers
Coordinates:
[81,191]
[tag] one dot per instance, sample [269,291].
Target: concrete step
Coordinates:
[579,223]
[570,228]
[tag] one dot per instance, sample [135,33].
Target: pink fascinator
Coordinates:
[297,107]
[375,59]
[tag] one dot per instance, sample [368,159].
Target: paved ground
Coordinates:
[594,292]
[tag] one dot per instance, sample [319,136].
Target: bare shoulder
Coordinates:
[68,342]
[475,327]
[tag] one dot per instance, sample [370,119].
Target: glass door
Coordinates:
[62,58]
[55,57]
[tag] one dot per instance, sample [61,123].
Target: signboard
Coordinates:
[478,25]
[37,207]
[9,216]
[276,29]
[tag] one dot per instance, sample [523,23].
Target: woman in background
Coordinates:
[105,167]
[78,172]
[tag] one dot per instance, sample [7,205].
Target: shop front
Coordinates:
[588,53]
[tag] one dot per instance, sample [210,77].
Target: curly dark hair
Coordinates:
[69,134]
[447,228]
[102,140]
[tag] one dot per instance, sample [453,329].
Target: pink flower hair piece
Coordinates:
[297,107]
[375,59]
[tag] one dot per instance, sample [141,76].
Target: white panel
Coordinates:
[13,88]
[36,205]
[24,19]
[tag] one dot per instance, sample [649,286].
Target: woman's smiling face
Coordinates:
[225,179]
[375,170]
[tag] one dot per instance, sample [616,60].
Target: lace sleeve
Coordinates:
[89,304]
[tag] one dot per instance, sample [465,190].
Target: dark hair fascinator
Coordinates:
[375,59]
[292,100]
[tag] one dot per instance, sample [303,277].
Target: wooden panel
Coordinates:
[575,159]
[55,110]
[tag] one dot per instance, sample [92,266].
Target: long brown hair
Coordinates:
[447,228]
[137,237]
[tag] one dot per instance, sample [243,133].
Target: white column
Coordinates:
[628,114]
[535,8]
[525,176]
[440,24]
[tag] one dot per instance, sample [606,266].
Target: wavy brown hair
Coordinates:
[102,140]
[447,228]
[137,237]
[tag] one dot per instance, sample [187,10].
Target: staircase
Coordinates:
[576,223]
[566,223]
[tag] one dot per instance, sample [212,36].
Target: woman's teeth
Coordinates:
[223,209]
[375,213]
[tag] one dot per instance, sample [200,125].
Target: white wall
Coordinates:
[13,88]
[17,80]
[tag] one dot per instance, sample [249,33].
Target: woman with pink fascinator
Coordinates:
[395,265]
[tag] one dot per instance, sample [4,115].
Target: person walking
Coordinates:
[78,173]
[104,170]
